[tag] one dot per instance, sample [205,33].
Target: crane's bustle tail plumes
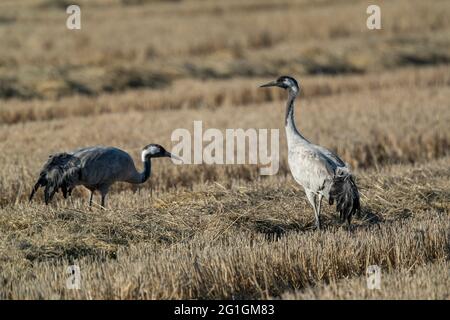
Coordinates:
[345,193]
[61,171]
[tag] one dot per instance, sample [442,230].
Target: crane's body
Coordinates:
[120,166]
[96,168]
[318,170]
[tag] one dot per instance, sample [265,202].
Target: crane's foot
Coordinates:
[318,225]
[350,226]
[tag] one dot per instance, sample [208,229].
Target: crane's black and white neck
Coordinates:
[148,152]
[293,135]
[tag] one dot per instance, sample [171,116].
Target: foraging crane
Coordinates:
[96,168]
[319,171]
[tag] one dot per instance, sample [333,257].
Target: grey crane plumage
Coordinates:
[96,168]
[318,170]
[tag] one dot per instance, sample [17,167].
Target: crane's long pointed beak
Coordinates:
[270,84]
[171,155]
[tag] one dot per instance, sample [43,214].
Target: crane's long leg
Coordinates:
[90,198]
[104,191]
[103,200]
[312,199]
[319,205]
[69,193]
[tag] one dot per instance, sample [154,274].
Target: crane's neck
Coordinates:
[140,177]
[292,132]
[144,175]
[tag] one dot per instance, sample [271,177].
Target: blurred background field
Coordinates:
[138,69]
[127,45]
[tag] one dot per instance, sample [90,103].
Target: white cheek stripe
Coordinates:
[144,154]
[149,150]
[291,84]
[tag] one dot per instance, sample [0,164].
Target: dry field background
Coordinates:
[139,69]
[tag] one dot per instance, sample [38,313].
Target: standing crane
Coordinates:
[318,170]
[96,168]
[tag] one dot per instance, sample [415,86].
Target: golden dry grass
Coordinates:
[252,241]
[380,100]
[168,41]
[403,284]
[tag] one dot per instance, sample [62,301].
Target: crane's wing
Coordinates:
[61,171]
[311,168]
[105,165]
[331,155]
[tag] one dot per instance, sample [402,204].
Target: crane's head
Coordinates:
[156,151]
[284,82]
